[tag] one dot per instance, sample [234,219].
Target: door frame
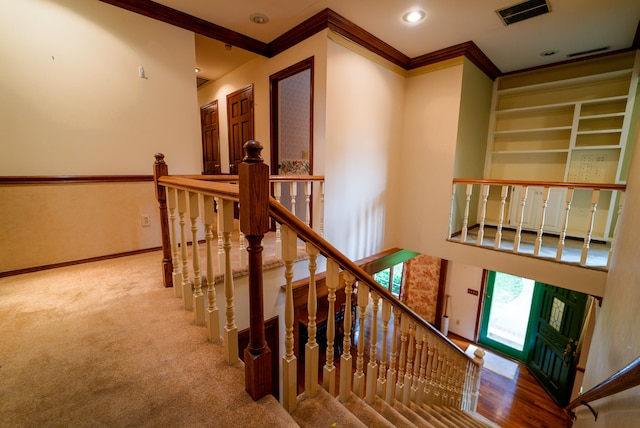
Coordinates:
[216,150]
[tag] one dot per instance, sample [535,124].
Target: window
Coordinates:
[391,278]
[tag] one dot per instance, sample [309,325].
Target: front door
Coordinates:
[210,138]
[240,118]
[558,324]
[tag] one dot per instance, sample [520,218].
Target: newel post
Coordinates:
[161,169]
[254,223]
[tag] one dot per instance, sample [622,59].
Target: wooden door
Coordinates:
[240,120]
[210,138]
[553,356]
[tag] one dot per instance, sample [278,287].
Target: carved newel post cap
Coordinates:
[159,158]
[252,151]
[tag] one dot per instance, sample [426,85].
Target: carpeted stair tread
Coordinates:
[414,417]
[428,414]
[366,413]
[323,410]
[443,417]
[391,414]
[461,419]
[481,418]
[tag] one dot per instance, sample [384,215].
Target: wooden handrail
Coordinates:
[626,378]
[283,216]
[533,183]
[228,178]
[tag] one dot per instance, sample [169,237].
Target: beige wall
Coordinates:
[73,104]
[616,340]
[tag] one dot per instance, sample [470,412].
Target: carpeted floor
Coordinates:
[104,344]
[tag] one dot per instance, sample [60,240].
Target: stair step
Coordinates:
[391,414]
[323,410]
[417,420]
[365,413]
[487,422]
[461,418]
[428,414]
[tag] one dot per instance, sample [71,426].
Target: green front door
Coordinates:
[558,323]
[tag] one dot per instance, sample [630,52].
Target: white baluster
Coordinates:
[465,223]
[307,199]
[329,369]
[198,296]
[293,193]
[372,367]
[523,203]
[435,372]
[212,314]
[392,373]
[277,194]
[615,230]
[408,375]
[175,251]
[432,362]
[587,239]
[220,238]
[565,224]
[483,211]
[289,361]
[358,376]
[346,360]
[475,392]
[311,350]
[225,210]
[503,198]
[451,209]
[545,199]
[417,387]
[187,291]
[381,384]
[402,360]
[422,383]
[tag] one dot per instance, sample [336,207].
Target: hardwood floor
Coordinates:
[518,403]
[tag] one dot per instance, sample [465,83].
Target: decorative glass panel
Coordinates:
[557,310]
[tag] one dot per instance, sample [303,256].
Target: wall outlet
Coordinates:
[145,220]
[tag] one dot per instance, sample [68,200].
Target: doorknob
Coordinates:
[569,353]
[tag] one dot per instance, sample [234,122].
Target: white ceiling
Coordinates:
[571,26]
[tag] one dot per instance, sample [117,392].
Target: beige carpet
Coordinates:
[104,344]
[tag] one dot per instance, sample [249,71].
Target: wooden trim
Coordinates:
[188,22]
[483,288]
[467,49]
[223,190]
[531,183]
[77,262]
[72,179]
[636,39]
[442,288]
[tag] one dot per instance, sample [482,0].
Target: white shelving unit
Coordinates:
[568,123]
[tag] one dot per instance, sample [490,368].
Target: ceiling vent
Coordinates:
[525,10]
[201,81]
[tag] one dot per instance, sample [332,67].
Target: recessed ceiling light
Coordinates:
[259,18]
[414,16]
[197,70]
[549,52]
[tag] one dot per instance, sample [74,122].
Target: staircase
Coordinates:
[411,375]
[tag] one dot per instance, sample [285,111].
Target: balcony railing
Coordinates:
[552,220]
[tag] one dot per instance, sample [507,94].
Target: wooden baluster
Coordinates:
[198,297]
[176,276]
[311,349]
[329,369]
[277,194]
[587,239]
[160,169]
[444,372]
[465,223]
[523,203]
[307,200]
[212,314]
[372,367]
[392,373]
[427,372]
[358,376]
[420,385]
[381,384]
[322,208]
[503,199]
[346,360]
[289,360]
[451,209]
[545,199]
[615,230]
[220,219]
[408,375]
[225,212]
[293,193]
[402,360]
[435,374]
[432,370]
[483,211]
[565,224]
[460,370]
[254,223]
[187,291]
